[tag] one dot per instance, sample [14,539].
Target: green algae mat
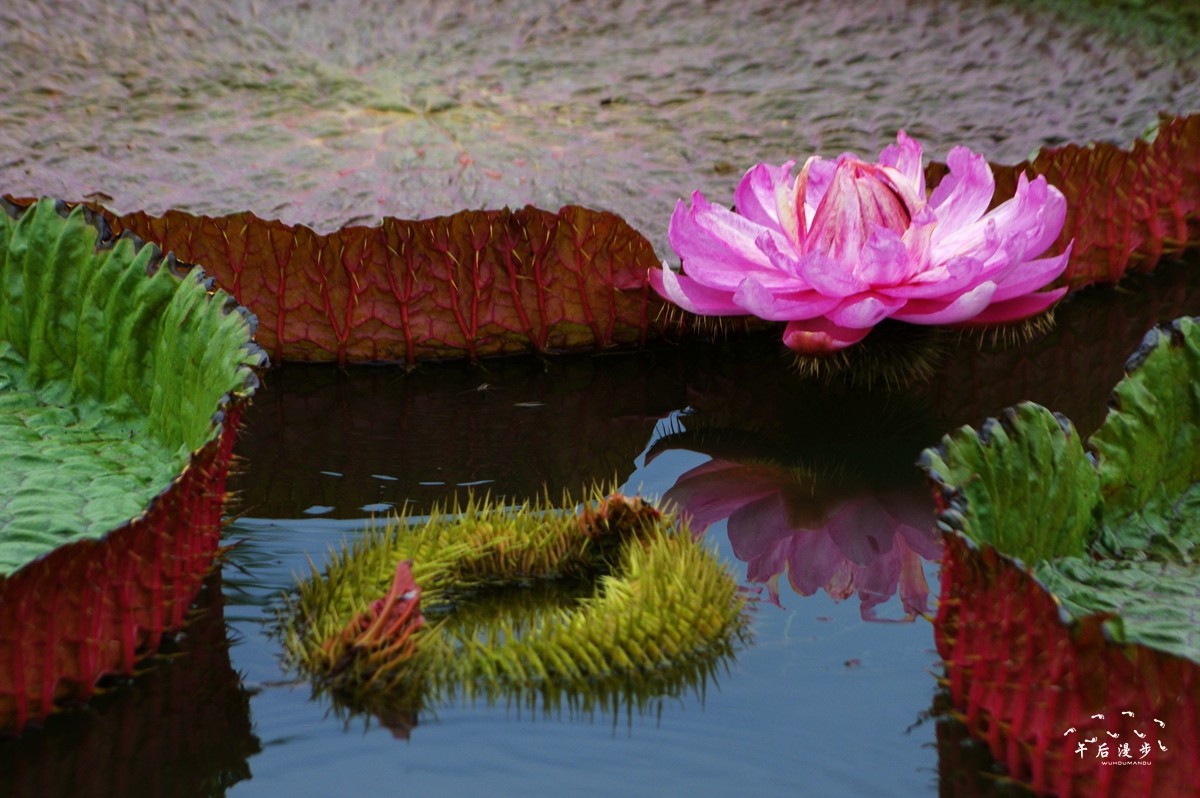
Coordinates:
[113,369]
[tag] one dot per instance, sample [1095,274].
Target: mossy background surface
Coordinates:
[336,113]
[112,366]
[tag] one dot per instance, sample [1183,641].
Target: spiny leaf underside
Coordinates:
[659,604]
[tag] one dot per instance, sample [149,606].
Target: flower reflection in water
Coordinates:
[824,533]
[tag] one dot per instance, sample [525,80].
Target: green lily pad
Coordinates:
[1113,530]
[1144,567]
[114,364]
[1023,483]
[1070,582]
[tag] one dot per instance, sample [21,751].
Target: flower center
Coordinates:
[860,198]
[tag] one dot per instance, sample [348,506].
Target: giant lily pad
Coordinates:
[184,727]
[342,112]
[1069,589]
[480,283]
[121,381]
[1127,208]
[303,116]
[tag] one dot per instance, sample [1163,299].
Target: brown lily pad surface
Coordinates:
[346,112]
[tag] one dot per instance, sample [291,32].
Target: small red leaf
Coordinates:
[381,637]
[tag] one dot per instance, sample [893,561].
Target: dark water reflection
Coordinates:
[380,438]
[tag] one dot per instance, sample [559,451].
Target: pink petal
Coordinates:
[876,584]
[820,336]
[1015,309]
[943,281]
[781,305]
[1030,276]
[735,230]
[1009,255]
[914,590]
[864,311]
[837,228]
[1035,213]
[917,240]
[964,194]
[1033,216]
[862,531]
[820,175]
[691,295]
[883,260]
[964,307]
[840,584]
[924,540]
[709,494]
[766,568]
[1052,217]
[716,245]
[814,562]
[794,214]
[785,261]
[828,276]
[860,199]
[905,157]
[755,197]
[772,582]
[759,526]
[980,241]
[913,512]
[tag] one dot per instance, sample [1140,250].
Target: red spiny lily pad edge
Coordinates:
[92,609]
[1021,676]
[1066,621]
[483,283]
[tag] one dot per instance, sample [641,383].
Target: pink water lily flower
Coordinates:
[848,244]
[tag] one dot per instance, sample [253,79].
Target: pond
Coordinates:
[829,697]
[323,116]
[823,701]
[816,679]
